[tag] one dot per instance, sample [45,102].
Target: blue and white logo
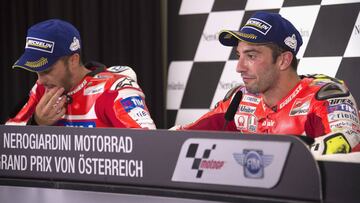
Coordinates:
[39,44]
[132,102]
[254,162]
[258,25]
[81,124]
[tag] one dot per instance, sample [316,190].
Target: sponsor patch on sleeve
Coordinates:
[132,102]
[125,82]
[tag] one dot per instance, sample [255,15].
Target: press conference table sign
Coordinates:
[279,167]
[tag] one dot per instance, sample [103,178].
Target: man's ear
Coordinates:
[285,60]
[74,60]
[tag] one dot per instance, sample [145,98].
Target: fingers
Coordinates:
[49,93]
[53,97]
[51,107]
[59,113]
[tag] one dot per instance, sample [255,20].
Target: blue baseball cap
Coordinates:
[262,28]
[46,42]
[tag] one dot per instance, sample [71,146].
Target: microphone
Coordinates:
[230,112]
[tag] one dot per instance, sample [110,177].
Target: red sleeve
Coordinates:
[28,109]
[213,120]
[104,110]
[127,111]
[317,123]
[314,126]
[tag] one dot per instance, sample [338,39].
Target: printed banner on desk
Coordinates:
[68,155]
[231,162]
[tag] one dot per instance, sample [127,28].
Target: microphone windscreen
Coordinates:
[230,112]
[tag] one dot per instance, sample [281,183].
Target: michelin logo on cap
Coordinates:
[39,44]
[258,25]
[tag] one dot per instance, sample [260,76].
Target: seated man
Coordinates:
[275,99]
[67,93]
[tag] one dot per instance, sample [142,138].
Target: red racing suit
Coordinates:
[106,97]
[317,106]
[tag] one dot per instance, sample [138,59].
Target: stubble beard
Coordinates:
[66,81]
[263,83]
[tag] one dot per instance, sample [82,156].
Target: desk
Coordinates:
[201,165]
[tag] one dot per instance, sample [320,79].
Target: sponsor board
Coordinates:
[231,162]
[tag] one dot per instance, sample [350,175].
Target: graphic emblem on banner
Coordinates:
[254,162]
[201,164]
[247,163]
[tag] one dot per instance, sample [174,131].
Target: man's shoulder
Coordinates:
[114,72]
[326,87]
[121,71]
[101,71]
[321,79]
[119,77]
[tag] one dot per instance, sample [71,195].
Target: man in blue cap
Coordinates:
[274,99]
[68,93]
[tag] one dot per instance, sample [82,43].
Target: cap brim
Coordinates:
[228,38]
[231,38]
[34,62]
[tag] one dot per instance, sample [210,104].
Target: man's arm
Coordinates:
[123,105]
[215,118]
[336,114]
[23,116]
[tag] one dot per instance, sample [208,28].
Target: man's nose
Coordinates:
[241,65]
[41,79]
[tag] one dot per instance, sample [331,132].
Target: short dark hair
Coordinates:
[65,59]
[277,50]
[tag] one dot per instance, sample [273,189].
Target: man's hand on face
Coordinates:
[51,107]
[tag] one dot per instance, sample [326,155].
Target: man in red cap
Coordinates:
[275,99]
